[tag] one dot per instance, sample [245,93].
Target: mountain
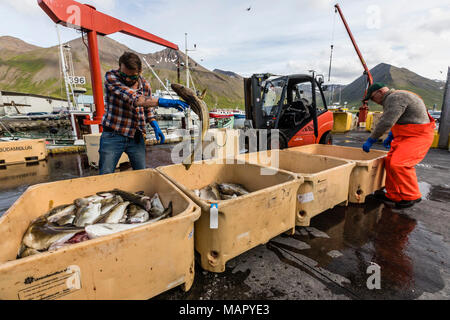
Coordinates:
[230,74]
[32,69]
[13,45]
[431,91]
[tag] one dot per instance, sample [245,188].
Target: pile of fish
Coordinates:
[221,191]
[200,108]
[91,217]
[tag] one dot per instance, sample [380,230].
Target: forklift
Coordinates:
[293,104]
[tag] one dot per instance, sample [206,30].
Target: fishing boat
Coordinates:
[238,114]
[221,113]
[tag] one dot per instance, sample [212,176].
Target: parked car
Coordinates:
[38,115]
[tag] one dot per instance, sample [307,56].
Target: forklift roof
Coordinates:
[299,77]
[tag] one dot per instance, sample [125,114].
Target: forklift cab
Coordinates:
[294,104]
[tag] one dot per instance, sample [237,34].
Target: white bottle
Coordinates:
[214,216]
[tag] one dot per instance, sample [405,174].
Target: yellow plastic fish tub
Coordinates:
[92,142]
[325,180]
[342,121]
[134,264]
[22,151]
[372,120]
[244,222]
[368,175]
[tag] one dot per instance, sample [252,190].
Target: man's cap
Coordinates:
[374,87]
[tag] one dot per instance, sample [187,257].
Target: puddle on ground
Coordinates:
[434,192]
[425,189]
[439,193]
[410,257]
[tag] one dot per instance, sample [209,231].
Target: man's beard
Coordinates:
[129,83]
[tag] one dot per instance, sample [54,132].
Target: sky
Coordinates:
[280,37]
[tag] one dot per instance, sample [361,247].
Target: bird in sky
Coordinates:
[248,9]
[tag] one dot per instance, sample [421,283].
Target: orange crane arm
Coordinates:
[81,16]
[363,110]
[72,14]
[367,71]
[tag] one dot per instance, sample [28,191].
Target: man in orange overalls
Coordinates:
[410,138]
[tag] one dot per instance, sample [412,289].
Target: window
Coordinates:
[273,92]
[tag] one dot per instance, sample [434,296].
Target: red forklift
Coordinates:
[294,104]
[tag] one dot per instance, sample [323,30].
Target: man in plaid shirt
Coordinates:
[129,107]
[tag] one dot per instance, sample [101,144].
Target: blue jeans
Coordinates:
[113,144]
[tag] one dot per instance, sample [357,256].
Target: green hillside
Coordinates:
[29,69]
[398,78]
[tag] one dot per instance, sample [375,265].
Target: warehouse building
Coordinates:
[12,103]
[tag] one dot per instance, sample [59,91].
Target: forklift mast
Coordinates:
[253,90]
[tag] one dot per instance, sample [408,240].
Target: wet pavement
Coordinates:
[329,259]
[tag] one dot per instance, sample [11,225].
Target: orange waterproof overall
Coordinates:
[410,145]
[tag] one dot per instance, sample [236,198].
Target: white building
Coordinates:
[12,103]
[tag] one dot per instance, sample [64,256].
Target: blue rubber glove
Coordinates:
[368,144]
[388,140]
[158,133]
[170,103]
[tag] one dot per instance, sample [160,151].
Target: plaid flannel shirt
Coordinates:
[121,114]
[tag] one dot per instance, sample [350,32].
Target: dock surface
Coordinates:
[329,259]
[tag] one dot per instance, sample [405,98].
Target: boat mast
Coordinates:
[64,70]
[187,61]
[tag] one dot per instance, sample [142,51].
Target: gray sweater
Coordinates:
[400,107]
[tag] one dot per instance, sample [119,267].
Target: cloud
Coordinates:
[103,5]
[28,7]
[284,37]
[31,7]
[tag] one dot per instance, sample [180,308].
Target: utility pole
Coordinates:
[178,68]
[64,69]
[444,122]
[187,59]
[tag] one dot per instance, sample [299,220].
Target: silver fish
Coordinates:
[40,235]
[87,215]
[136,214]
[110,203]
[83,202]
[232,188]
[104,229]
[55,214]
[105,195]
[157,206]
[228,197]
[215,189]
[65,220]
[201,109]
[141,200]
[207,193]
[116,213]
[28,252]
[167,213]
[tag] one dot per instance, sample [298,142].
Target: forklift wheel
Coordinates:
[326,138]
